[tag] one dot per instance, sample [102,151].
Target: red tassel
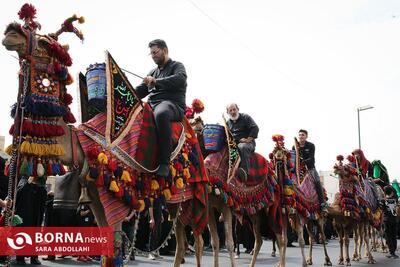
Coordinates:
[100,181]
[11,131]
[57,67]
[178,166]
[67,99]
[197,106]
[93,152]
[173,189]
[27,11]
[49,170]
[161,182]
[27,126]
[112,165]
[69,117]
[120,193]
[134,202]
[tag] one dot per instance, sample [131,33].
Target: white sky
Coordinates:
[289,64]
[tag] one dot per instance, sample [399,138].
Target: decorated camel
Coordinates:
[355,208]
[299,197]
[114,154]
[258,197]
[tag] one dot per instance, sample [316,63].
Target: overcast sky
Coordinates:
[289,64]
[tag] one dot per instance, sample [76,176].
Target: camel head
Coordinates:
[197,124]
[15,39]
[345,171]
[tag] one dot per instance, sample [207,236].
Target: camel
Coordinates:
[218,168]
[16,40]
[280,158]
[344,221]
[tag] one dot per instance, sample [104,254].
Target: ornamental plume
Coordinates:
[27,13]
[67,26]
[197,107]
[339,158]
[278,137]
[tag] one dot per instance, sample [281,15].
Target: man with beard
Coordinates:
[244,131]
[166,88]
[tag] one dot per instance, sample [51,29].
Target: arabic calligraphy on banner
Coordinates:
[123,100]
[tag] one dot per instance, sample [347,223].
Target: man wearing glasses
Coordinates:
[165,87]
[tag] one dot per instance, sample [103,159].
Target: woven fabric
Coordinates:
[115,209]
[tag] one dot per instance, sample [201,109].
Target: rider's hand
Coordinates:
[150,81]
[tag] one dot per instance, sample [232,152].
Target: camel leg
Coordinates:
[180,236]
[347,242]
[320,224]
[199,246]
[281,238]
[311,237]
[367,249]
[256,220]
[374,240]
[273,253]
[356,239]
[299,230]
[227,213]
[340,232]
[212,226]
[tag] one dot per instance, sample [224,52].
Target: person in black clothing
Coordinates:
[166,88]
[390,204]
[244,131]
[307,161]
[30,206]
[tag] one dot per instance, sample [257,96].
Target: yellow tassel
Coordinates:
[141,205]
[186,173]
[167,194]
[154,185]
[288,191]
[151,201]
[179,183]
[9,150]
[172,171]
[102,158]
[126,177]
[188,136]
[81,20]
[58,150]
[185,156]
[114,187]
[25,147]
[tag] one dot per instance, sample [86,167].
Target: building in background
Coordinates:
[330,183]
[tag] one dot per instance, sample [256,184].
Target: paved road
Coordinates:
[293,259]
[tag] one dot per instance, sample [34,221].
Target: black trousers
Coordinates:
[390,235]
[245,151]
[165,113]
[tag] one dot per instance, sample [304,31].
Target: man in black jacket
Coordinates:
[166,88]
[307,161]
[244,131]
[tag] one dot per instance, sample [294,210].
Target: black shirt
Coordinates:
[307,154]
[389,209]
[170,85]
[243,127]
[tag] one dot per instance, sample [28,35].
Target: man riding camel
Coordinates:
[244,131]
[166,87]
[307,160]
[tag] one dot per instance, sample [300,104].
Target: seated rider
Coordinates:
[244,131]
[165,87]
[366,169]
[307,160]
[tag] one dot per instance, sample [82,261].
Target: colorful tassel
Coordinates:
[113,186]
[154,185]
[100,181]
[179,183]
[167,194]
[126,177]
[186,173]
[40,169]
[23,170]
[172,171]
[141,205]
[102,158]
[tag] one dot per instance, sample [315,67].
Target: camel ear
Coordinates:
[66,47]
